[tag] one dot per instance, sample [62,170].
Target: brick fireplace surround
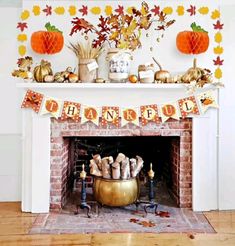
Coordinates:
[200,166]
[181,154]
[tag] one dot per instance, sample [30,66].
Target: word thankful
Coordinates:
[118,115]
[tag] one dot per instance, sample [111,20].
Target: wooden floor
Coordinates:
[14,227]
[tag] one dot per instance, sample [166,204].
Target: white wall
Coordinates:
[10,123]
[227,115]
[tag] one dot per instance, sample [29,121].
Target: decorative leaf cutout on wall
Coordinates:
[22,26]
[22,37]
[180,10]
[59,10]
[218,25]
[84,10]
[25,15]
[192,10]
[36,10]
[203,10]
[218,61]
[167,10]
[48,10]
[215,14]
[108,10]
[96,10]
[72,10]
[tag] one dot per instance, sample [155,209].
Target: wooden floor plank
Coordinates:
[43,240]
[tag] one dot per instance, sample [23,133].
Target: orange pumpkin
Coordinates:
[47,42]
[193,42]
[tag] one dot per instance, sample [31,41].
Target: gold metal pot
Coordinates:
[115,193]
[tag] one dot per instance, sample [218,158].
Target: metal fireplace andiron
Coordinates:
[147,204]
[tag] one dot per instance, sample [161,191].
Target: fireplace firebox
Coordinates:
[168,146]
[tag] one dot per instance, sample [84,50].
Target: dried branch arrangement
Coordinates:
[122,30]
[85,51]
[120,168]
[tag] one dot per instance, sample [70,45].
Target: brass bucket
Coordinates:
[115,193]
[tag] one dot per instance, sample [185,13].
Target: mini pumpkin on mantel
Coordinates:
[42,70]
[50,41]
[161,75]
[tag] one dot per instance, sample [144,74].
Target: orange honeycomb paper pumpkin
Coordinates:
[193,42]
[47,42]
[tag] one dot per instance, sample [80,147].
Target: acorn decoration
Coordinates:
[161,75]
[42,70]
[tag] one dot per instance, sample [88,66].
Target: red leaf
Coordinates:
[48,10]
[120,10]
[163,214]
[103,25]
[133,220]
[84,10]
[22,26]
[99,41]
[81,24]
[218,25]
[162,27]
[156,10]
[218,61]
[192,10]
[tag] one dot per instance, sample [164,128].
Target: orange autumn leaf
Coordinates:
[147,223]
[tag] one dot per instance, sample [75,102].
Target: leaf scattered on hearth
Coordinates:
[163,214]
[146,223]
[133,220]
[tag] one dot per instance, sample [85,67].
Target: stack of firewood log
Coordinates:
[120,168]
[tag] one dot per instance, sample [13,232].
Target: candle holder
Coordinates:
[150,203]
[83,204]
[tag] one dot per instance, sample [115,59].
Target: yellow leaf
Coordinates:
[218,73]
[96,10]
[22,37]
[131,28]
[25,15]
[129,10]
[108,10]
[218,37]
[215,14]
[218,50]
[122,44]
[143,10]
[22,50]
[72,10]
[180,10]
[113,35]
[36,10]
[59,10]
[168,10]
[203,10]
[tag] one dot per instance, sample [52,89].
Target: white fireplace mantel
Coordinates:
[36,137]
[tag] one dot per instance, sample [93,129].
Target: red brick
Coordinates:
[56,186]
[56,153]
